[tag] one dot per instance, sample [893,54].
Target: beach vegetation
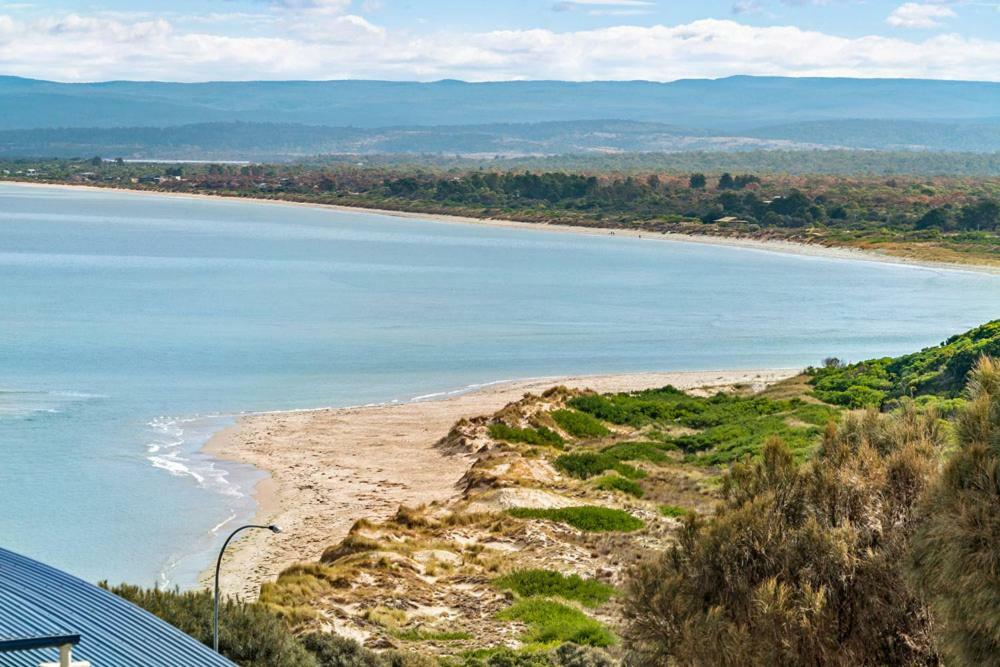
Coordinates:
[549,583]
[251,634]
[619,483]
[727,426]
[801,562]
[639,451]
[939,371]
[532,436]
[579,424]
[587,518]
[675,511]
[551,622]
[585,464]
[954,558]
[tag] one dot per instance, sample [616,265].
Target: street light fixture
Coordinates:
[218,565]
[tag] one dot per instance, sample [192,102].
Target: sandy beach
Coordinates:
[330,467]
[784,247]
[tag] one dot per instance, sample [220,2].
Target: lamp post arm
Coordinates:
[218,567]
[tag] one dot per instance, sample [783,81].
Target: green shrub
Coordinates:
[551,622]
[332,650]
[617,483]
[674,511]
[789,570]
[531,436]
[584,465]
[252,635]
[579,424]
[637,451]
[548,583]
[586,518]
[954,558]
[249,633]
[940,370]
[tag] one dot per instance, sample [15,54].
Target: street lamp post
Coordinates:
[218,566]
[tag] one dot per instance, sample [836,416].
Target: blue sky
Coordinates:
[489,40]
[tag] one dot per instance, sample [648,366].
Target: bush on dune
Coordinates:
[586,518]
[801,563]
[584,465]
[579,424]
[530,436]
[955,560]
[549,583]
[940,371]
[253,636]
[550,622]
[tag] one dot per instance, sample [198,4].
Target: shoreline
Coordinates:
[326,468]
[776,246]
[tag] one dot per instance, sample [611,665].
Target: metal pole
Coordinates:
[218,566]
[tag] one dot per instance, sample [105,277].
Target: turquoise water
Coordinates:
[131,325]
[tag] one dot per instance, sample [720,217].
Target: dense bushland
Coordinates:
[935,372]
[955,559]
[800,566]
[950,219]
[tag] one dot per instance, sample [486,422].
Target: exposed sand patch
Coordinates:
[331,467]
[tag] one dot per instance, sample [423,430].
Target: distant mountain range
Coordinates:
[261,120]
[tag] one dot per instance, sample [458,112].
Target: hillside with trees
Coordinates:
[940,219]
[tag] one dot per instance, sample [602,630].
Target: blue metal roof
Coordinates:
[37,600]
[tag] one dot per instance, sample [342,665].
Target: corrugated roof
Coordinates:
[37,600]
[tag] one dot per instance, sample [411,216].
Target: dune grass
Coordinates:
[587,518]
[531,436]
[618,483]
[637,451]
[549,583]
[675,511]
[579,424]
[554,623]
[584,465]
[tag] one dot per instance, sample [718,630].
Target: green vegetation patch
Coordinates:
[675,511]
[587,518]
[939,371]
[617,483]
[531,436]
[579,424]
[729,427]
[551,622]
[549,583]
[638,451]
[584,465]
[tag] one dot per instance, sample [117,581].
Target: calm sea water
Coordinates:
[130,325]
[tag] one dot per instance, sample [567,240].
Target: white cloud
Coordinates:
[322,45]
[916,15]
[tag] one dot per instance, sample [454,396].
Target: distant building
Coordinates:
[48,617]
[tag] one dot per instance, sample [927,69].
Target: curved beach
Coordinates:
[328,468]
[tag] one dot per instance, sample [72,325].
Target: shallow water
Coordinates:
[129,323]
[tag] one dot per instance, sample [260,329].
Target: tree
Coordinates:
[800,565]
[96,161]
[726,182]
[697,181]
[955,559]
[984,215]
[936,218]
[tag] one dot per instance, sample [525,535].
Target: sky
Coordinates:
[492,40]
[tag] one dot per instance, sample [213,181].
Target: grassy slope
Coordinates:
[934,373]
